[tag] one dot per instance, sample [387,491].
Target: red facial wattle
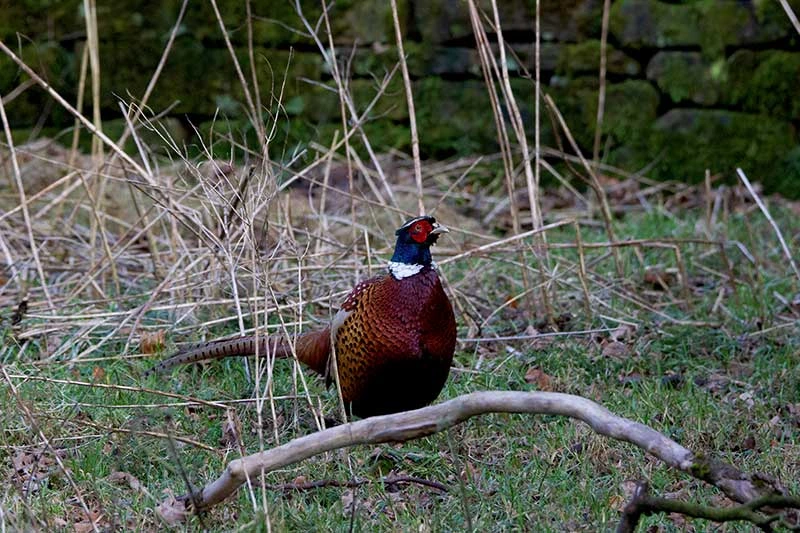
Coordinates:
[421,230]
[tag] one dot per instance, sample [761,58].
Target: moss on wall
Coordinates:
[710,25]
[689,141]
[688,77]
[691,84]
[766,82]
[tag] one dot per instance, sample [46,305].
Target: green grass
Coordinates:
[736,398]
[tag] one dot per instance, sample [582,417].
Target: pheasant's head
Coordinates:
[412,252]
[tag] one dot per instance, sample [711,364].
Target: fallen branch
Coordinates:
[737,485]
[760,512]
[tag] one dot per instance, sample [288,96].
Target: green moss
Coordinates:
[687,76]
[35,19]
[631,106]
[787,177]
[454,117]
[351,23]
[638,23]
[766,82]
[701,468]
[686,142]
[708,24]
[584,58]
[377,61]
[721,24]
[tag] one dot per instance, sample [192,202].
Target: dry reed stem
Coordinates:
[113,387]
[356,122]
[491,71]
[592,181]
[517,123]
[263,140]
[582,275]
[412,115]
[537,93]
[791,14]
[24,204]
[342,83]
[517,237]
[76,127]
[255,115]
[96,193]
[531,181]
[683,275]
[143,432]
[763,207]
[601,93]
[18,90]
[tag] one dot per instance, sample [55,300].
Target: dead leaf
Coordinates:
[348,501]
[538,377]
[469,473]
[89,523]
[172,511]
[623,332]
[539,342]
[747,398]
[32,468]
[628,488]
[631,378]
[130,480]
[660,279]
[616,350]
[98,373]
[672,380]
[231,430]
[617,502]
[152,341]
[680,521]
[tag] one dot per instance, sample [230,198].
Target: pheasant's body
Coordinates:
[395,343]
[394,338]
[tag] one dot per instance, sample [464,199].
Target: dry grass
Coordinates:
[110,257]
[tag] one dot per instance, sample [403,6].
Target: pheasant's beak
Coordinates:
[438,229]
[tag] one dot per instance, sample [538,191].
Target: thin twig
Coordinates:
[768,216]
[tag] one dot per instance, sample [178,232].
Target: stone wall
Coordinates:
[691,84]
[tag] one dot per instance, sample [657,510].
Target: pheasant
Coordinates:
[394,335]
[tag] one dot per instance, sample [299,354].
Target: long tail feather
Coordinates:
[312,349]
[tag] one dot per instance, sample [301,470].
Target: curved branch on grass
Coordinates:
[737,485]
